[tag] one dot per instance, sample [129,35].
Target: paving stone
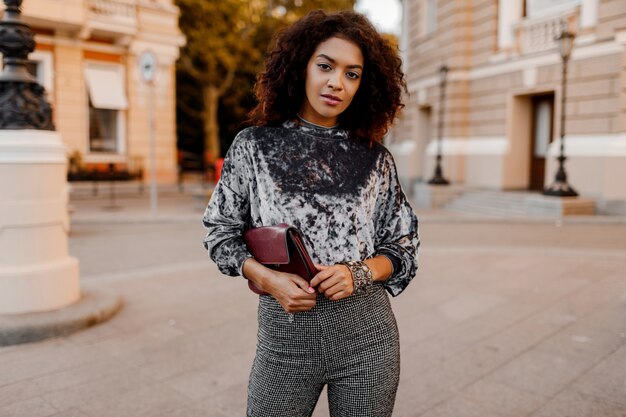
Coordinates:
[584,342]
[18,392]
[187,411]
[94,370]
[463,369]
[74,412]
[423,326]
[34,407]
[540,372]
[141,400]
[468,305]
[219,376]
[575,404]
[124,343]
[229,403]
[65,356]
[503,400]
[17,353]
[416,396]
[551,324]
[107,387]
[321,409]
[459,407]
[427,354]
[607,379]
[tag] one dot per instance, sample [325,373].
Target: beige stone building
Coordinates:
[502,107]
[87,59]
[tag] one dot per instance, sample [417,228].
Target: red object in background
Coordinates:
[219,163]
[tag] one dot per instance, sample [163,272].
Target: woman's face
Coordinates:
[333,76]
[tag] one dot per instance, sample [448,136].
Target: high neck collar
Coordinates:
[302,119]
[312,129]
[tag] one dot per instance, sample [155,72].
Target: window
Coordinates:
[39,65]
[103,130]
[431,16]
[536,8]
[107,102]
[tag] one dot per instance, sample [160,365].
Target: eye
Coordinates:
[324,67]
[353,75]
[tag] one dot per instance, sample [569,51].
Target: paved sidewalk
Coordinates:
[504,319]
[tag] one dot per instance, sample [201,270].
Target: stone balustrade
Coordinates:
[539,34]
[112,9]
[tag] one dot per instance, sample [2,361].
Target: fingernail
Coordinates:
[311,290]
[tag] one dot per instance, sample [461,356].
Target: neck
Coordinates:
[315,124]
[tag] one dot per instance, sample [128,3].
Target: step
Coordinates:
[520,204]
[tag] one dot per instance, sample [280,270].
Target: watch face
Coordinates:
[147,65]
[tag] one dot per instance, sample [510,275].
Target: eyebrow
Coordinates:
[334,62]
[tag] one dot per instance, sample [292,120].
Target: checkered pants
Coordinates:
[351,345]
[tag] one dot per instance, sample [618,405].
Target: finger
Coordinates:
[303,284]
[329,283]
[339,296]
[334,289]
[321,267]
[321,276]
[302,305]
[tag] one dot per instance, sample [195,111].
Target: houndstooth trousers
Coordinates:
[350,345]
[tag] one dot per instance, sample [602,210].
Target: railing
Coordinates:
[112,9]
[538,34]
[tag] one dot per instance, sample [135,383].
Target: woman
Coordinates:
[330,90]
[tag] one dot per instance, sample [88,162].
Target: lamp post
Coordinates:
[33,172]
[438,178]
[23,104]
[560,187]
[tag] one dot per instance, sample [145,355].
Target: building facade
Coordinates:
[86,57]
[502,108]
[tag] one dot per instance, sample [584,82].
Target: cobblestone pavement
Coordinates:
[503,319]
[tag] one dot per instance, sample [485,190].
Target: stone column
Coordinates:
[509,13]
[36,272]
[589,13]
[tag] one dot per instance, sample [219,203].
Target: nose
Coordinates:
[334,81]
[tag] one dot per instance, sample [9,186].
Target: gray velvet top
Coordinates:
[341,194]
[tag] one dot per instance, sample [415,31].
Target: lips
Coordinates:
[330,99]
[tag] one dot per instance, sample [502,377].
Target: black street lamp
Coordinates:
[23,103]
[560,187]
[438,178]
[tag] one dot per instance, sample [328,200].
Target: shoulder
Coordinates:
[385,160]
[256,134]
[247,135]
[383,153]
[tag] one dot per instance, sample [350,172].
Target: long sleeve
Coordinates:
[396,230]
[228,211]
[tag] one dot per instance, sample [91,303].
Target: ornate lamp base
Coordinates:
[560,189]
[438,180]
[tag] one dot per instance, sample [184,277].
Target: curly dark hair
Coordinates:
[280,88]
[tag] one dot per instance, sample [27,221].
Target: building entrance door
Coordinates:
[542,127]
[424,136]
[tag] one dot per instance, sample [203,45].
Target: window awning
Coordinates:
[106,87]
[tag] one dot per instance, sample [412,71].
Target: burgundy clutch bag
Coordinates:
[280,248]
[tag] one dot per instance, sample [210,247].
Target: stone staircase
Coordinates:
[519,204]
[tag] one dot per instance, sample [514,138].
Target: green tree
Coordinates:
[226,44]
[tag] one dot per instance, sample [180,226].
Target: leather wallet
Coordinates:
[280,248]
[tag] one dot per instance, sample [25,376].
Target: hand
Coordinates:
[334,281]
[293,293]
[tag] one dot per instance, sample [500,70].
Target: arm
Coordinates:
[397,235]
[227,216]
[394,262]
[228,211]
